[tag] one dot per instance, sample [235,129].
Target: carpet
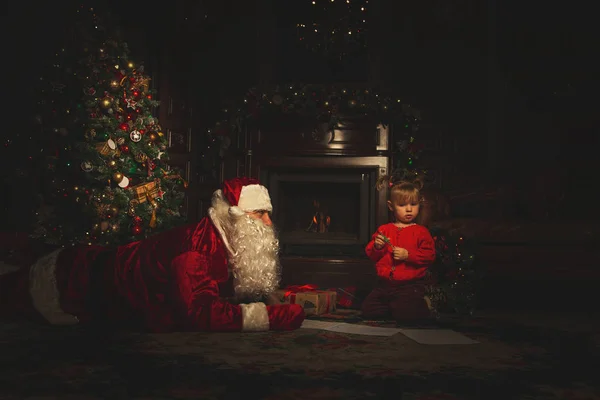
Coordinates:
[520,357]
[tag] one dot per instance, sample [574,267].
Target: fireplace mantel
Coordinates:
[291,142]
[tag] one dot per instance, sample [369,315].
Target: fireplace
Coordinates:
[323,212]
[322,184]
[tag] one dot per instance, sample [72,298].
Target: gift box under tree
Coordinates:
[312,300]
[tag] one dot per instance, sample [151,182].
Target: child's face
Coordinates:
[404,211]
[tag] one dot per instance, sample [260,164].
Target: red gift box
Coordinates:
[312,300]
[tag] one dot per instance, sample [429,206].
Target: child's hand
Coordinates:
[400,254]
[379,242]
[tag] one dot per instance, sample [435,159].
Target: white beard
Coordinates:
[253,251]
[255,260]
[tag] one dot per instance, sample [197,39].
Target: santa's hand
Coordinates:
[285,317]
[272,300]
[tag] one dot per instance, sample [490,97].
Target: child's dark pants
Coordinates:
[402,301]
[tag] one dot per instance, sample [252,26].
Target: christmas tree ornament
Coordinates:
[136,230]
[107,148]
[135,136]
[124,182]
[152,224]
[141,157]
[87,166]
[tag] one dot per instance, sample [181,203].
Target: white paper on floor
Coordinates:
[313,324]
[343,327]
[437,336]
[364,330]
[422,336]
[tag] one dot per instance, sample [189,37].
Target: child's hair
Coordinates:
[402,191]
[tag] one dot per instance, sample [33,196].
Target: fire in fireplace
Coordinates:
[320,221]
[323,212]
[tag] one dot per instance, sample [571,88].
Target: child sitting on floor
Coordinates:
[402,251]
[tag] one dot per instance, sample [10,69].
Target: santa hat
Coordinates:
[246,194]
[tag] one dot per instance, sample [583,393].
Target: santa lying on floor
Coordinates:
[180,279]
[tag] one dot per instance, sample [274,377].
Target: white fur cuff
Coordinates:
[44,291]
[255,317]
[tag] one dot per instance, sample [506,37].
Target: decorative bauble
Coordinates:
[87,166]
[136,230]
[124,183]
[104,225]
[112,163]
[124,148]
[118,177]
[135,136]
[141,157]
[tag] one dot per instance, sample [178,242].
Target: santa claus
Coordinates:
[214,275]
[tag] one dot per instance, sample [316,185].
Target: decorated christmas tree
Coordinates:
[106,176]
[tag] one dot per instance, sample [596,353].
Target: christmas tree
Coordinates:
[106,175]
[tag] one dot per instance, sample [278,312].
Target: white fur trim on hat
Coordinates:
[44,290]
[235,211]
[255,317]
[255,197]
[219,206]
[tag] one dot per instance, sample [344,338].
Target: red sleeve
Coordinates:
[199,308]
[372,252]
[421,253]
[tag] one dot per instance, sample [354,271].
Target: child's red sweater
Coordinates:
[416,239]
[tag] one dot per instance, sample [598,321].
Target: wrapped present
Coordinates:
[312,300]
[346,297]
[146,191]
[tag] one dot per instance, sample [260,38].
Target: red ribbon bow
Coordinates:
[299,288]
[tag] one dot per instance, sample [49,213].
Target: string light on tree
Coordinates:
[336,28]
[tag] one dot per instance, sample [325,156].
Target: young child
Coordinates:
[402,251]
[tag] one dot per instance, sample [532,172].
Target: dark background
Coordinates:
[512,85]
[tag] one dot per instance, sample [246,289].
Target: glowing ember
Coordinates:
[320,221]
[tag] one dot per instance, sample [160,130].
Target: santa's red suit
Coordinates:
[176,280]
